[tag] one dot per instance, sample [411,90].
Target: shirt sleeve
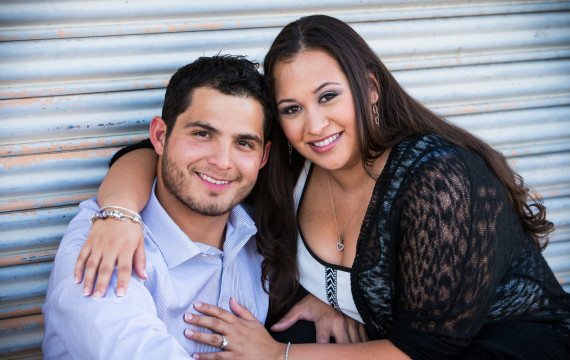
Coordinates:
[107,328]
[448,264]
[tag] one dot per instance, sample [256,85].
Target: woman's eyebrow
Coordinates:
[323,85]
[314,91]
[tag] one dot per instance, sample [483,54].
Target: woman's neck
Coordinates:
[354,178]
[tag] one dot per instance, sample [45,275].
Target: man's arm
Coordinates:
[108,328]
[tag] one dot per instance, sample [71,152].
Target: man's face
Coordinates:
[212,156]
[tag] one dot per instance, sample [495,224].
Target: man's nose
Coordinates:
[221,157]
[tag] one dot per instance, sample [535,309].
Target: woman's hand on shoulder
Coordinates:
[328,321]
[110,242]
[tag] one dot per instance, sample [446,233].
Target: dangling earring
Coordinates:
[376,114]
[290,151]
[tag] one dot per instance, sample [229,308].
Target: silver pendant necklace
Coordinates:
[340,243]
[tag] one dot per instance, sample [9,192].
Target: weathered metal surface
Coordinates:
[79,79]
[93,18]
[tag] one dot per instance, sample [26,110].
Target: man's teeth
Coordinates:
[213,181]
[326,141]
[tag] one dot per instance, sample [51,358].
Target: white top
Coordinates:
[328,282]
[147,323]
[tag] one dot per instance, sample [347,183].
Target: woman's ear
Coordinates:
[373,89]
[158,134]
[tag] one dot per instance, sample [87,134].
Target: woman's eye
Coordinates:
[326,97]
[291,110]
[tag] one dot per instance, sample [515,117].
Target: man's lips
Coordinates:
[212,180]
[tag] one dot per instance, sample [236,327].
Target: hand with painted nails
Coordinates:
[329,322]
[109,243]
[245,337]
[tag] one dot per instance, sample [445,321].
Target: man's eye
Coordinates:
[245,144]
[201,133]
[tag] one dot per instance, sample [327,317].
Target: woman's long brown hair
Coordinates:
[400,117]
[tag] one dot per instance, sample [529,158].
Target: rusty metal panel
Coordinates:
[78,79]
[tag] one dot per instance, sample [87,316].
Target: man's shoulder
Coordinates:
[79,226]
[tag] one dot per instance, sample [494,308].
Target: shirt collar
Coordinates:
[176,247]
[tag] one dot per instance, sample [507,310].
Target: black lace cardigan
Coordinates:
[441,253]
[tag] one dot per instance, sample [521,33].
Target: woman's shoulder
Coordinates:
[412,152]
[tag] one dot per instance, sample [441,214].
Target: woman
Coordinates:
[408,224]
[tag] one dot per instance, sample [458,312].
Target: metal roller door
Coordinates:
[78,79]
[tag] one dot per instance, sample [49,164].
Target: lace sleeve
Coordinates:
[447,260]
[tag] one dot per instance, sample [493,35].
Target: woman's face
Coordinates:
[316,109]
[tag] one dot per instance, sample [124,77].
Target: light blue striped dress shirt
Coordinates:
[147,323]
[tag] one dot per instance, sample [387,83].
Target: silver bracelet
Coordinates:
[287,351]
[116,214]
[121,208]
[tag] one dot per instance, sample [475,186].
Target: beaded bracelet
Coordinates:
[287,351]
[115,214]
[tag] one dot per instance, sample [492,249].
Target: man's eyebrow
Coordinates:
[213,130]
[251,137]
[314,91]
[202,125]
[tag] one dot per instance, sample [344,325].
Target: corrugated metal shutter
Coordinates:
[78,79]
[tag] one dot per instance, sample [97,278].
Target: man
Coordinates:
[199,243]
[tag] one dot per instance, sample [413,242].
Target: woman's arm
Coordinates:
[248,339]
[329,322]
[128,184]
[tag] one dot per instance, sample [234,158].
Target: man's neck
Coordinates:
[209,230]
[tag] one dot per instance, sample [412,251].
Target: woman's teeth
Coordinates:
[326,141]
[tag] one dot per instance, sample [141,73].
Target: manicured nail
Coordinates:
[188,317]
[120,292]
[197,304]
[86,291]
[188,333]
[145,275]
[96,295]
[76,280]
[196,356]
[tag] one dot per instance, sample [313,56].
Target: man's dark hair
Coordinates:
[228,74]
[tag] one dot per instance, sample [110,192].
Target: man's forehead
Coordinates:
[225,114]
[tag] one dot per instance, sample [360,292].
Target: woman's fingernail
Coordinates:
[197,304]
[76,280]
[188,317]
[86,291]
[145,274]
[188,333]
[195,356]
[120,292]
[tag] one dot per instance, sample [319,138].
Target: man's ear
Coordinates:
[373,89]
[265,154]
[158,134]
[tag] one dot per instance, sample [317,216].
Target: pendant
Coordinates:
[339,246]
